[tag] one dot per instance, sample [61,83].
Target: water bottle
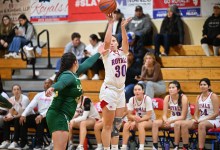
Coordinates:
[33,142]
[216,145]
[166,146]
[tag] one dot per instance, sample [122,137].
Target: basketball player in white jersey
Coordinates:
[178,104]
[140,116]
[85,117]
[206,114]
[112,94]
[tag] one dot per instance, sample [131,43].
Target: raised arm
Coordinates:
[125,45]
[108,35]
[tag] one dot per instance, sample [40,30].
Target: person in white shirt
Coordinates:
[19,102]
[36,119]
[140,116]
[90,50]
[85,117]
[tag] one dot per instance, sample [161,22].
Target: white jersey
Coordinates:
[140,108]
[205,106]
[115,69]
[93,113]
[176,110]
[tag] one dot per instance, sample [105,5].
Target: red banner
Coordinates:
[179,3]
[84,10]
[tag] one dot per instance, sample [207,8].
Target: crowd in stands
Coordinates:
[144,81]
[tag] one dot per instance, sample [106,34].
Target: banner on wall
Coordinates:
[84,10]
[49,10]
[188,8]
[14,8]
[127,7]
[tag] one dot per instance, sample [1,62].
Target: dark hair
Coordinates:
[24,17]
[94,37]
[67,61]
[141,85]
[207,81]
[1,86]
[75,35]
[177,84]
[16,85]
[6,29]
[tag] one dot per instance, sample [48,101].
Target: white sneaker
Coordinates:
[15,55]
[5,144]
[13,145]
[83,77]
[140,148]
[153,148]
[70,146]
[49,147]
[95,77]
[99,148]
[26,147]
[80,148]
[8,55]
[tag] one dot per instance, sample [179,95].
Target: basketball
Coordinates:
[107,6]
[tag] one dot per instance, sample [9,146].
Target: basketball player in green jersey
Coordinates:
[67,90]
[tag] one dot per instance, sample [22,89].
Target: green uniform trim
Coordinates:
[5,103]
[68,89]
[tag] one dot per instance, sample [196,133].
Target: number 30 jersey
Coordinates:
[115,69]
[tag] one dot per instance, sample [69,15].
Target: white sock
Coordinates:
[99,145]
[216,50]
[205,48]
[124,146]
[106,148]
[141,146]
[114,147]
[80,145]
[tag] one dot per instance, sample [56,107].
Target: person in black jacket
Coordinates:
[7,32]
[134,69]
[211,32]
[171,31]
[118,15]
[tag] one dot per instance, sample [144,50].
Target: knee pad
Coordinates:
[116,126]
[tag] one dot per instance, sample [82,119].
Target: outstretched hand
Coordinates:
[110,18]
[124,22]
[102,49]
[49,92]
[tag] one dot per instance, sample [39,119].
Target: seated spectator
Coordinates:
[4,103]
[171,31]
[141,26]
[90,50]
[7,32]
[25,33]
[84,118]
[76,47]
[151,77]
[133,70]
[178,105]
[138,53]
[117,15]
[37,119]
[211,32]
[19,102]
[206,115]
[140,116]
